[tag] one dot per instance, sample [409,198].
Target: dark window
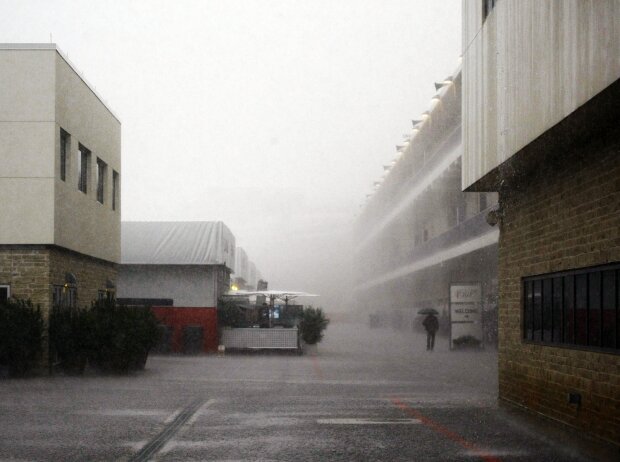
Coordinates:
[5,293]
[547,300]
[83,166]
[609,337]
[578,307]
[557,321]
[528,296]
[64,295]
[569,308]
[581,309]
[114,190]
[425,235]
[537,312]
[102,168]
[64,149]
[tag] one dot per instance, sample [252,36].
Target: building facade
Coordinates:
[419,233]
[541,104]
[180,270]
[60,204]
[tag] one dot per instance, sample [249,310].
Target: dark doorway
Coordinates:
[193,340]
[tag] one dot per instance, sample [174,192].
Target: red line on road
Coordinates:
[317,369]
[443,431]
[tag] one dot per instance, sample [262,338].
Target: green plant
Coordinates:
[312,324]
[466,341]
[121,336]
[21,335]
[71,340]
[229,314]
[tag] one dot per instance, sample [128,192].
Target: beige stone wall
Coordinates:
[91,273]
[565,217]
[26,270]
[31,271]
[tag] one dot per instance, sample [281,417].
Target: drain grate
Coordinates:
[153,446]
[367,421]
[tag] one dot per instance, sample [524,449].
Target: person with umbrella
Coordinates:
[431,324]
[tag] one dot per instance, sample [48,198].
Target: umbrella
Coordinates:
[428,311]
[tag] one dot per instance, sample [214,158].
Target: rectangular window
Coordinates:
[114,190]
[64,149]
[577,307]
[102,169]
[83,167]
[5,292]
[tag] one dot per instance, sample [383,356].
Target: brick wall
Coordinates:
[566,215]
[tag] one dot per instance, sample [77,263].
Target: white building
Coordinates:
[60,147]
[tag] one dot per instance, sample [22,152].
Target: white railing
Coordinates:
[256,338]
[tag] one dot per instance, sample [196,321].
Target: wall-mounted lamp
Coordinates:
[444,83]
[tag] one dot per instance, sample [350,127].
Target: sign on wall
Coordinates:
[465,315]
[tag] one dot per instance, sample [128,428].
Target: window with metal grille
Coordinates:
[573,308]
[64,295]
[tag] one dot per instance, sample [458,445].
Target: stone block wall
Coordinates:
[91,273]
[564,216]
[26,270]
[32,270]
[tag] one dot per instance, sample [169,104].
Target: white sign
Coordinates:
[465,293]
[462,312]
[465,314]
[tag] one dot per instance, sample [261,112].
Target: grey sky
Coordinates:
[273,116]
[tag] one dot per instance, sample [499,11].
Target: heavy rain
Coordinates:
[309,231]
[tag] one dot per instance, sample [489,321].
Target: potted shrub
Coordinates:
[21,335]
[70,332]
[122,337]
[466,341]
[311,325]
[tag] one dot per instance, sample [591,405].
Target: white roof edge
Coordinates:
[53,46]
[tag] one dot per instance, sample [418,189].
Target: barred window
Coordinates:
[573,308]
[64,295]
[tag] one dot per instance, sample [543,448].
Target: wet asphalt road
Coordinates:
[366,395]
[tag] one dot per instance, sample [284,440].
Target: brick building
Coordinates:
[59,181]
[418,233]
[541,104]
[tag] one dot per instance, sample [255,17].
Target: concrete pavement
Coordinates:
[367,395]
